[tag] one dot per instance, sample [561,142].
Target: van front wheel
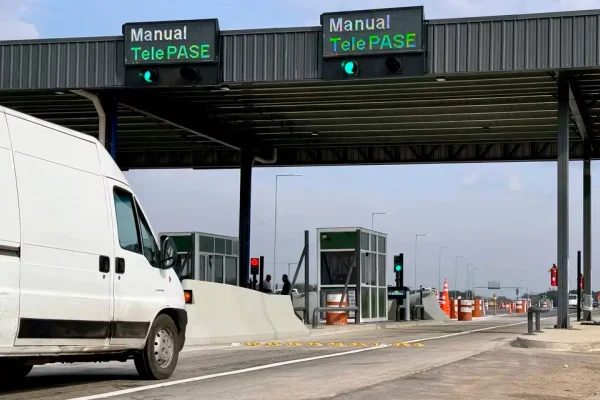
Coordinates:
[159,357]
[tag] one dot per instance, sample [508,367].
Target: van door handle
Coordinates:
[120,267]
[104,264]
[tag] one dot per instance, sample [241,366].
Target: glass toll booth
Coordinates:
[363,251]
[206,257]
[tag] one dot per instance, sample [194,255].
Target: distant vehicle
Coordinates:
[595,303]
[572,301]
[294,292]
[83,278]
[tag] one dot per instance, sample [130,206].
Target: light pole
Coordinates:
[468,286]
[373,218]
[456,276]
[473,283]
[440,268]
[416,248]
[275,230]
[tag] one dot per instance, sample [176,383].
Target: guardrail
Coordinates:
[317,310]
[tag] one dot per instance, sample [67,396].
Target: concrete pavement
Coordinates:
[262,372]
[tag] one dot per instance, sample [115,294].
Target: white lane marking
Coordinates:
[280,364]
[206,348]
[236,372]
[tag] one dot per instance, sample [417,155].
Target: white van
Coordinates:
[82,277]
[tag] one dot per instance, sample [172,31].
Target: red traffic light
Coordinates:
[254,262]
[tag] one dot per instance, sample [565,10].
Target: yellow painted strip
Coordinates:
[335,344]
[294,344]
[401,344]
[251,344]
[273,344]
[315,344]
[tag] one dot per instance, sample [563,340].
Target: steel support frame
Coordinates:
[356,155]
[190,118]
[110,106]
[247,158]
[587,225]
[562,317]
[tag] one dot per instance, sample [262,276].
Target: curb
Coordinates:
[557,346]
[352,328]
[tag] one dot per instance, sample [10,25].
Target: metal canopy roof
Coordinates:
[468,116]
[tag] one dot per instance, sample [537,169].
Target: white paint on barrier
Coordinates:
[284,363]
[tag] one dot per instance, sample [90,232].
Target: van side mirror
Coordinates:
[168,253]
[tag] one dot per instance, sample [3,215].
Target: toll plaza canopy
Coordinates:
[366,87]
[459,90]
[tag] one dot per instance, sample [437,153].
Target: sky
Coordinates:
[501,217]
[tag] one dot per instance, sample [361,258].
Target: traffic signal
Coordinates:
[393,66]
[399,269]
[190,74]
[350,68]
[149,76]
[554,275]
[254,262]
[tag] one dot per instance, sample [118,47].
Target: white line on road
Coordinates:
[236,372]
[281,364]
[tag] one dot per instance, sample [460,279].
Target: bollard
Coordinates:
[531,312]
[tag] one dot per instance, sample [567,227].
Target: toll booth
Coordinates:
[206,257]
[345,254]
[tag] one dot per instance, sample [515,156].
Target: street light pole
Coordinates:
[473,284]
[373,218]
[275,230]
[416,248]
[456,276]
[440,268]
[468,286]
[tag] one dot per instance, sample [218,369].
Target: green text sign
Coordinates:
[176,42]
[384,31]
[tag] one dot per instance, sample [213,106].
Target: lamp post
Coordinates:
[440,267]
[275,230]
[456,276]
[473,283]
[416,248]
[468,286]
[373,218]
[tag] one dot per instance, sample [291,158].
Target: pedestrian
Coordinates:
[287,285]
[267,288]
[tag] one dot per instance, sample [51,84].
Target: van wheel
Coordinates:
[13,370]
[159,357]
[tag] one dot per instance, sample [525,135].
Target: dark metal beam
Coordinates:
[356,155]
[579,111]
[192,119]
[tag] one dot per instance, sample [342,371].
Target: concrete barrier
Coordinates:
[222,314]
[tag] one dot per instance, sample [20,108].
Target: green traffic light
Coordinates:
[398,268]
[350,67]
[148,76]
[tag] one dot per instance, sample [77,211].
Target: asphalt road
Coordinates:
[344,366]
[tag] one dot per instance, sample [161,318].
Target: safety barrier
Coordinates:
[224,313]
[465,310]
[477,309]
[334,300]
[453,309]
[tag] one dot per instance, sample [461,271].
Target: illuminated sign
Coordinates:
[174,42]
[384,31]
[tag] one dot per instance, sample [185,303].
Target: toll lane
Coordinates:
[78,380]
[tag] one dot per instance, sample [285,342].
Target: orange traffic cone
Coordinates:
[446,297]
[442,302]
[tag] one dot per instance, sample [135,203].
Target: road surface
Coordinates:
[442,361]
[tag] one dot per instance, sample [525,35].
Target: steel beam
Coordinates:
[562,317]
[579,110]
[190,118]
[247,159]
[587,225]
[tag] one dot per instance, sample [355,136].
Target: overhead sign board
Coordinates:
[172,42]
[384,31]
[494,285]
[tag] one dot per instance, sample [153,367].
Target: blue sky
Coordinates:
[501,216]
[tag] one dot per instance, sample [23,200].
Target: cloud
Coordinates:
[514,184]
[13,24]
